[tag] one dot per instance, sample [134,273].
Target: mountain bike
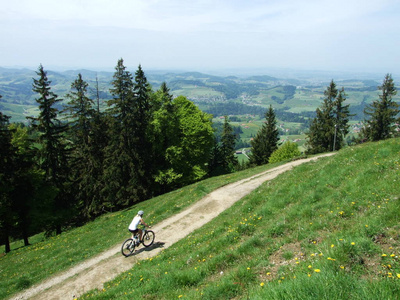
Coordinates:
[129,245]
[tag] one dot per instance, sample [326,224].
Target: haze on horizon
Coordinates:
[200,35]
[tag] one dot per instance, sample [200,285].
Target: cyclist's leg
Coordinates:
[140,233]
[133,232]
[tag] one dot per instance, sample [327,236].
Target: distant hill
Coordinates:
[294,95]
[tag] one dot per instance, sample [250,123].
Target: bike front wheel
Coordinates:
[148,238]
[128,247]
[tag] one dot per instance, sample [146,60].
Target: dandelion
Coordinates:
[342,267]
[262,284]
[384,255]
[269,273]
[332,245]
[317,270]
[309,266]
[309,275]
[352,243]
[248,268]
[398,275]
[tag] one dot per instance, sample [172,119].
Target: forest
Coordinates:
[76,160]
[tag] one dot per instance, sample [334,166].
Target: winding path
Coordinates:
[94,272]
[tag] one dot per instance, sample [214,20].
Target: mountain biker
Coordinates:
[133,227]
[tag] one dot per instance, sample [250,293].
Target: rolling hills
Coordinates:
[297,95]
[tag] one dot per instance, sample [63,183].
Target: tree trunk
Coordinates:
[7,239]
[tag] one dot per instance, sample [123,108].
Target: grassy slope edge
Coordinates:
[326,230]
[25,266]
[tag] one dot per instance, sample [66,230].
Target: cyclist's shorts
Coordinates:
[134,231]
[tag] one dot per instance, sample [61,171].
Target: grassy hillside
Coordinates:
[326,230]
[25,266]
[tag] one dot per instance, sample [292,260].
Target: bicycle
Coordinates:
[129,245]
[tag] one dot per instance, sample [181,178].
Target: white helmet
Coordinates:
[140,213]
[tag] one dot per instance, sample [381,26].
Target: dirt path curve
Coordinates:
[94,272]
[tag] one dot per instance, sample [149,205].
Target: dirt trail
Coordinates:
[94,272]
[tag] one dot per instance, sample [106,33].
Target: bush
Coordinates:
[287,151]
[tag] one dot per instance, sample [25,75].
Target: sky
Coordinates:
[202,35]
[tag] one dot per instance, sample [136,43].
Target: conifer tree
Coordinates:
[85,154]
[216,160]
[322,130]
[27,183]
[53,153]
[381,113]
[165,134]
[266,140]
[7,152]
[142,147]
[119,188]
[342,118]
[228,142]
[329,127]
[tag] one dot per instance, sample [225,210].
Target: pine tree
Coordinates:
[85,153]
[381,113]
[142,147]
[228,142]
[7,155]
[165,134]
[266,140]
[329,127]
[342,117]
[80,109]
[53,153]
[119,163]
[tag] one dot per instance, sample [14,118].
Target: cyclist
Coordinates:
[133,227]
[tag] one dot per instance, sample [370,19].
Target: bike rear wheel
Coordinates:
[128,246]
[148,238]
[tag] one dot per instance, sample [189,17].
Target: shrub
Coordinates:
[287,151]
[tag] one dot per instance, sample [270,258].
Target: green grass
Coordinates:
[325,230]
[24,266]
